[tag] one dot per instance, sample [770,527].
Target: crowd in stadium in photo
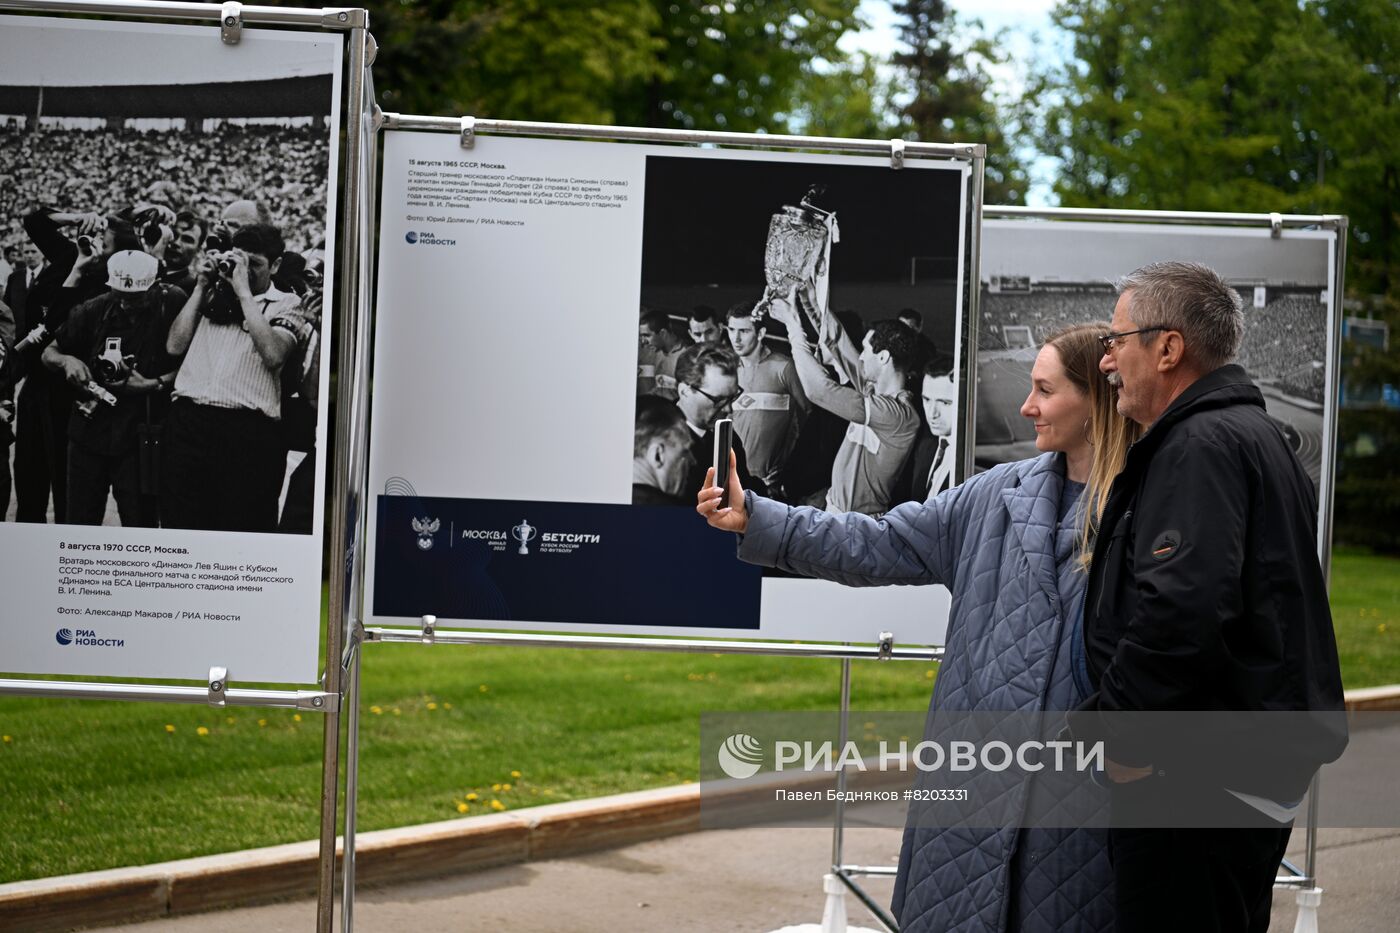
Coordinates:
[828,410]
[1283,344]
[161,322]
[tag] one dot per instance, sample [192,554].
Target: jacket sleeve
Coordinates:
[916,543]
[1188,551]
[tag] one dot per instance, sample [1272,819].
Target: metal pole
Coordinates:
[1310,863]
[838,831]
[400,121]
[1334,391]
[879,913]
[352,782]
[327,18]
[678,645]
[973,276]
[155,693]
[339,537]
[1208,218]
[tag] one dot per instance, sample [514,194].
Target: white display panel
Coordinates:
[1041,275]
[510,283]
[106,120]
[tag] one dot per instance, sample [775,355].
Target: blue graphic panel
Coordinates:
[560,562]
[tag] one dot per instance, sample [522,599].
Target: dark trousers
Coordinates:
[92,474]
[4,478]
[1230,871]
[223,469]
[41,448]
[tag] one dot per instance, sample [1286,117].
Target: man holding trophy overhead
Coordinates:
[867,387]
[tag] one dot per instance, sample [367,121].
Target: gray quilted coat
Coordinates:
[1013,643]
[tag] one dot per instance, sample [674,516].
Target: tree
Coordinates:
[735,65]
[950,92]
[559,60]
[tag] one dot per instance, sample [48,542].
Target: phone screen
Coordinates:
[724,439]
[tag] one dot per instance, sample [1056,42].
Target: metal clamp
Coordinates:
[231,23]
[377,119]
[429,630]
[896,153]
[371,49]
[468,132]
[1275,225]
[218,686]
[886,646]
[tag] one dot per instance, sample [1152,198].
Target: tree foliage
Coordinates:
[520,59]
[944,72]
[1237,105]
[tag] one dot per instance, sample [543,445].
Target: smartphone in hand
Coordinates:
[724,439]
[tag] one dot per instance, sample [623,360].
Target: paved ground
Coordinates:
[750,880]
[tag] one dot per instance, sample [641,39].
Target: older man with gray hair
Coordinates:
[1205,594]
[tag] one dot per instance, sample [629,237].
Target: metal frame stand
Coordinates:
[231,17]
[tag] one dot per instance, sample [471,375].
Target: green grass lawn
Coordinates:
[89,785]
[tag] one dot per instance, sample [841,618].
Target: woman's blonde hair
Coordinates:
[1109,433]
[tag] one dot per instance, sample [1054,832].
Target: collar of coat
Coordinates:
[1033,503]
[1222,388]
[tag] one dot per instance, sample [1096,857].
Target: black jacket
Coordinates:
[1205,591]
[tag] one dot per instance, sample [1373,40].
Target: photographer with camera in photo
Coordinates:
[226,455]
[111,352]
[75,272]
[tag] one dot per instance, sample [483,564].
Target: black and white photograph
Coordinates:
[167,203]
[1040,277]
[814,304]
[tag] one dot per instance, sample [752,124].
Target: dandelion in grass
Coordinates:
[169,727]
[6,739]
[928,675]
[447,706]
[262,723]
[515,774]
[497,805]
[505,787]
[377,710]
[463,808]
[296,717]
[397,711]
[473,798]
[432,706]
[202,730]
[496,788]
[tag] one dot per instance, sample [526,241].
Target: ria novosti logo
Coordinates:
[740,756]
[87,638]
[425,238]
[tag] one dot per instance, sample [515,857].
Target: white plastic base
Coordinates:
[1308,901]
[833,915]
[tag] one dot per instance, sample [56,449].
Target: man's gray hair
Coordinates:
[1190,298]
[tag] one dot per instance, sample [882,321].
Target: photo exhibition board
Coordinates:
[559,322]
[1042,275]
[157,531]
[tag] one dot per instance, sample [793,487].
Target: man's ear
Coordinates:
[1171,351]
[274,266]
[656,452]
